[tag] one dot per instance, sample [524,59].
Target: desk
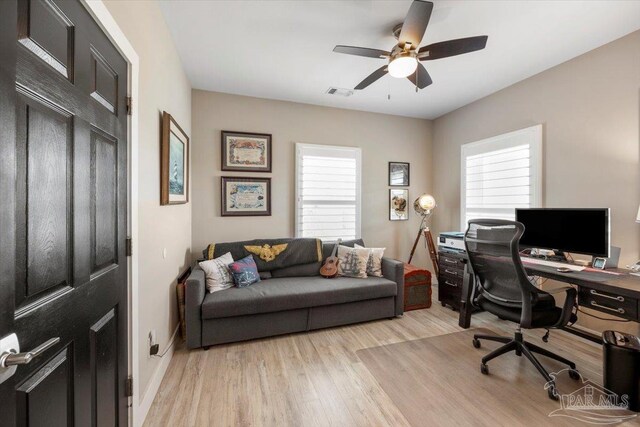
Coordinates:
[616,295]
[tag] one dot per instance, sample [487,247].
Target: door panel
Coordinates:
[104,370]
[46,31]
[63,269]
[44,237]
[46,399]
[104,81]
[104,201]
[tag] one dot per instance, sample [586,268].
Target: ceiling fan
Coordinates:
[403,58]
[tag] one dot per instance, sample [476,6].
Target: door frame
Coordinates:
[103,17]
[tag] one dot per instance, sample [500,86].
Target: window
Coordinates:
[500,174]
[327,192]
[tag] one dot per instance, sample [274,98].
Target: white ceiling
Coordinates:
[283,49]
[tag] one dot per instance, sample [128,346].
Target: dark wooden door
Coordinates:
[63,263]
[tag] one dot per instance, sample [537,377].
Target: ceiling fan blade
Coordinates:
[380,72]
[362,51]
[452,48]
[416,22]
[420,77]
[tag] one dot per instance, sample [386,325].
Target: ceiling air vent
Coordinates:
[339,92]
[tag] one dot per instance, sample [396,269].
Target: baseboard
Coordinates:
[154,384]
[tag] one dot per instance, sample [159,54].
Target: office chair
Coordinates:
[501,287]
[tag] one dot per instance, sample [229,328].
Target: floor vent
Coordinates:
[339,91]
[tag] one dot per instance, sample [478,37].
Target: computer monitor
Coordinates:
[581,231]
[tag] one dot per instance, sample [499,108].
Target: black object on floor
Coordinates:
[622,366]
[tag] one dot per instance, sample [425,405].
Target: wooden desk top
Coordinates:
[624,284]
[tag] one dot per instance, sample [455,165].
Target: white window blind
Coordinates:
[501,174]
[327,191]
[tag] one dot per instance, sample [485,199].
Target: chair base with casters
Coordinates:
[520,346]
[501,286]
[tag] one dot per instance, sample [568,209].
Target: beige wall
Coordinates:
[589,109]
[163,86]
[382,138]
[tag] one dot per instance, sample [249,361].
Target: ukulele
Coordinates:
[330,268]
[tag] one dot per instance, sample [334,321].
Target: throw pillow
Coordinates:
[374,263]
[352,262]
[245,272]
[217,275]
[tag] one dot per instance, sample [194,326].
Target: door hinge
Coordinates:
[129,247]
[129,105]
[128,385]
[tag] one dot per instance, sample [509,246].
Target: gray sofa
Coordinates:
[292,299]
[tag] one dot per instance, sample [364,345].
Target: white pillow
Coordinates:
[374,263]
[217,274]
[352,262]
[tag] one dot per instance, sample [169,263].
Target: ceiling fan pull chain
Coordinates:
[388,90]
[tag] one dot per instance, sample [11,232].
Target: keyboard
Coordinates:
[554,264]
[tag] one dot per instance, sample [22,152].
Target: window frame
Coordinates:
[299,148]
[531,135]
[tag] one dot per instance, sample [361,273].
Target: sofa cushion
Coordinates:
[288,293]
[244,272]
[217,272]
[302,270]
[327,247]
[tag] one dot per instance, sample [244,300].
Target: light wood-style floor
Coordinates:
[315,378]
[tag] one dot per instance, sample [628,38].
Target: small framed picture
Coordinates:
[246,196]
[247,152]
[398,174]
[398,204]
[174,163]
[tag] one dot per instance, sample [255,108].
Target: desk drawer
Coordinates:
[451,272]
[450,283]
[606,302]
[449,291]
[446,261]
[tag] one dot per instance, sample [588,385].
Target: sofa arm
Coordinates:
[195,291]
[394,270]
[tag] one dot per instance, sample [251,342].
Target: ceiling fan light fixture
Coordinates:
[403,65]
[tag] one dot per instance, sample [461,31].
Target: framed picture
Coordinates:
[246,196]
[249,152]
[174,162]
[398,204]
[398,174]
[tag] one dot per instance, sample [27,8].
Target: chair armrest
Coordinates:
[567,308]
[394,270]
[467,297]
[195,291]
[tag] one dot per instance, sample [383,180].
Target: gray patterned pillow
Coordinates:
[374,263]
[217,274]
[352,262]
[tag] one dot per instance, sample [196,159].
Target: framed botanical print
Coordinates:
[398,174]
[174,162]
[398,204]
[248,152]
[246,196]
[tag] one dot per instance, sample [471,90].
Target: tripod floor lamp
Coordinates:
[424,206]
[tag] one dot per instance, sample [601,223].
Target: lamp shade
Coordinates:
[638,217]
[424,204]
[402,66]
